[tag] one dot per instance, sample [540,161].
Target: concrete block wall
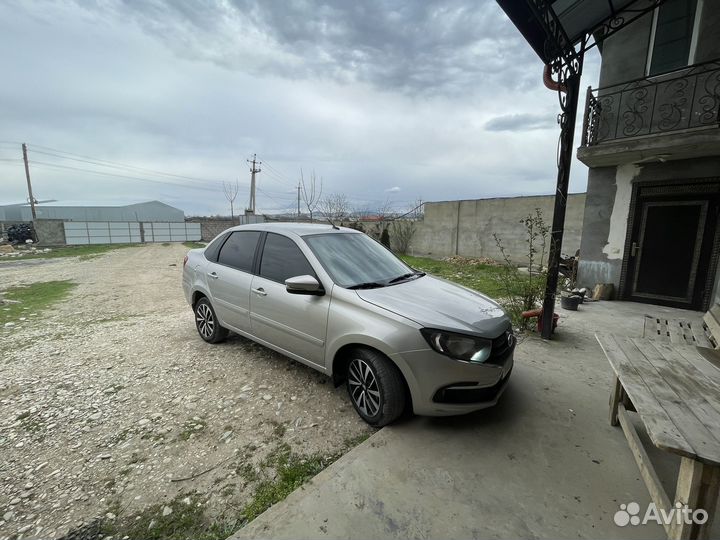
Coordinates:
[466,227]
[50,232]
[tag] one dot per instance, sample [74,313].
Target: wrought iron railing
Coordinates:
[682,100]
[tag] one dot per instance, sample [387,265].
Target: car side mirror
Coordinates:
[304,285]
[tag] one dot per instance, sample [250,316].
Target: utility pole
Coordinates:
[298,188]
[27,177]
[253,170]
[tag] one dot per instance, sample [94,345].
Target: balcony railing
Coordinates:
[682,100]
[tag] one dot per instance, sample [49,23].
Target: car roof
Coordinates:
[301,229]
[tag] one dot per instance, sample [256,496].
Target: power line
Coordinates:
[136,178]
[113,164]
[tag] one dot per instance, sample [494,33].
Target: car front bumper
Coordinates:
[441,386]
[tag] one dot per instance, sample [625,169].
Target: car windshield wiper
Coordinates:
[367,285]
[406,276]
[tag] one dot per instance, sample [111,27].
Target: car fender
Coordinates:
[364,340]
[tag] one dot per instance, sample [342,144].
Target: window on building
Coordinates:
[239,250]
[282,259]
[672,35]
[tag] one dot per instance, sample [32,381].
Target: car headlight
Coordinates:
[458,346]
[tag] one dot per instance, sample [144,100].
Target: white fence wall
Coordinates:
[171,232]
[122,232]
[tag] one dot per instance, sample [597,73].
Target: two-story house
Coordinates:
[651,139]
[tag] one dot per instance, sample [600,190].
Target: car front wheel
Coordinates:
[206,322]
[375,386]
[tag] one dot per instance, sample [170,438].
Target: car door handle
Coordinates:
[213,275]
[260,292]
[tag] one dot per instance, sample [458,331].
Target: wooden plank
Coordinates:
[698,376]
[708,499]
[677,393]
[674,329]
[647,471]
[697,330]
[661,429]
[615,398]
[686,493]
[712,321]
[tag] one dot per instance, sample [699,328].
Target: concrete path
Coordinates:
[544,463]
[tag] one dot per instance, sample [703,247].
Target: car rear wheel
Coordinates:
[375,387]
[206,322]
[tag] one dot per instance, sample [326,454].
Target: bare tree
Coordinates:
[335,207]
[311,193]
[231,193]
[403,227]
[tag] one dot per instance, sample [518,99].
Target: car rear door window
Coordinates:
[282,259]
[212,250]
[239,250]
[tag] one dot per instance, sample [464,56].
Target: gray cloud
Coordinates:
[521,122]
[436,97]
[434,46]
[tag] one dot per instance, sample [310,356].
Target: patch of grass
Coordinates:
[194,245]
[84,252]
[187,519]
[292,470]
[480,277]
[352,442]
[33,298]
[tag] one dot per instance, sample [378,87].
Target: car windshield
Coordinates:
[356,260]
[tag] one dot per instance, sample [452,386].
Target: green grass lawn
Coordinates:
[194,245]
[72,251]
[481,277]
[32,299]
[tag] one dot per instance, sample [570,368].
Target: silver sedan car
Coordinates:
[341,303]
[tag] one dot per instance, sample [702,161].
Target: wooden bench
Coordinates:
[684,331]
[675,389]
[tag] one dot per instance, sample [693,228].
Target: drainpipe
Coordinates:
[550,83]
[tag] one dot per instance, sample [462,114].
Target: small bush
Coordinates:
[385,238]
[523,292]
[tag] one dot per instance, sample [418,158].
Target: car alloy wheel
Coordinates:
[364,389]
[205,321]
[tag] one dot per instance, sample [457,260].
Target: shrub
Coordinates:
[524,291]
[385,238]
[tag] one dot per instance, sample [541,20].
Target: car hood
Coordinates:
[436,303]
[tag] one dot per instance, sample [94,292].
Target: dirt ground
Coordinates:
[111,396]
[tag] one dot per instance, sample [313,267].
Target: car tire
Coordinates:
[375,386]
[207,323]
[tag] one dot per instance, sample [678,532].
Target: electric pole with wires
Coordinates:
[254,169]
[29,185]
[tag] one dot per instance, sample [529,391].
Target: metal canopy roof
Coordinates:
[554,27]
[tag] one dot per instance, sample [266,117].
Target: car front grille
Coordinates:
[502,347]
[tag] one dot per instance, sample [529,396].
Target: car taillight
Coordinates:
[185,258]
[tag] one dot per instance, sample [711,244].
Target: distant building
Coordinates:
[146,211]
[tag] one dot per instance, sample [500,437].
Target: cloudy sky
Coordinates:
[122,102]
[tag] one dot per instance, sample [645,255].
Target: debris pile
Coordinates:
[6,250]
[20,233]
[471,261]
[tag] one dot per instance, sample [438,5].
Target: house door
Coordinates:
[671,248]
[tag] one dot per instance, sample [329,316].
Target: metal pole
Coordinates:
[567,131]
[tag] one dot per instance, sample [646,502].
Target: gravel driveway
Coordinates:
[112,397]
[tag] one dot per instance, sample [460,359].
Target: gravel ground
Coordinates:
[112,396]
